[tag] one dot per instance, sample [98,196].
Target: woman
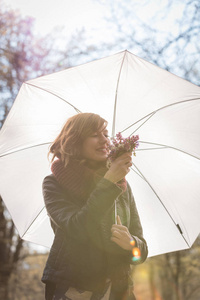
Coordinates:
[91,255]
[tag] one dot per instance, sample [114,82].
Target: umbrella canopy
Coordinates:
[136,97]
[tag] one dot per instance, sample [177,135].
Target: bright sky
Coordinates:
[90,14]
[74,14]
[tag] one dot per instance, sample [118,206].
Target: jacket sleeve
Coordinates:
[136,231]
[72,218]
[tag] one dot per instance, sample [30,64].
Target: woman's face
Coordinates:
[95,147]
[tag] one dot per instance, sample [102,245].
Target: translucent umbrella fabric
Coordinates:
[136,97]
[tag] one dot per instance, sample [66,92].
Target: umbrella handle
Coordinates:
[115,204]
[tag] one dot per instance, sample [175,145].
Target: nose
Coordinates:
[104,139]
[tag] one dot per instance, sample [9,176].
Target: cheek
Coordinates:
[89,145]
[87,148]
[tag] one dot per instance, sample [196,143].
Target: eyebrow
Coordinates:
[104,131]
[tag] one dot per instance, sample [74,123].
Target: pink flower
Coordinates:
[119,145]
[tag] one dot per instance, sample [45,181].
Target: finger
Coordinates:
[127,159]
[117,241]
[119,220]
[127,156]
[123,236]
[120,242]
[127,153]
[119,228]
[117,234]
[116,231]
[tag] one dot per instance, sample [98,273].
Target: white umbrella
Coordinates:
[135,96]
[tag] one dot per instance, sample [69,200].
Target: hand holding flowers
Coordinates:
[122,145]
[120,157]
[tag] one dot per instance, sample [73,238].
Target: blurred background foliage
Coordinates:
[25,55]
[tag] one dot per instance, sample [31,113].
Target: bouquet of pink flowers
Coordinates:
[120,145]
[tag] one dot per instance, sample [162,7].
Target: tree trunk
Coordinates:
[10,246]
[4,279]
[152,280]
[177,275]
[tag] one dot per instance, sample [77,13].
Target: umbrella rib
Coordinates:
[32,222]
[155,111]
[137,173]
[76,109]
[177,225]
[155,148]
[24,149]
[116,94]
[166,146]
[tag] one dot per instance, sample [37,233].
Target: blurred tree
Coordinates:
[176,275]
[173,276]
[25,282]
[23,56]
[10,245]
[166,33]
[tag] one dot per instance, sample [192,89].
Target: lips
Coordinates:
[104,150]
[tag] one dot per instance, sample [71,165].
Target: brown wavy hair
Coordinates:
[69,142]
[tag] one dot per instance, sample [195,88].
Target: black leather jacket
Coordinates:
[82,254]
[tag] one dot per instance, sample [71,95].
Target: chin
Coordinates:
[102,159]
